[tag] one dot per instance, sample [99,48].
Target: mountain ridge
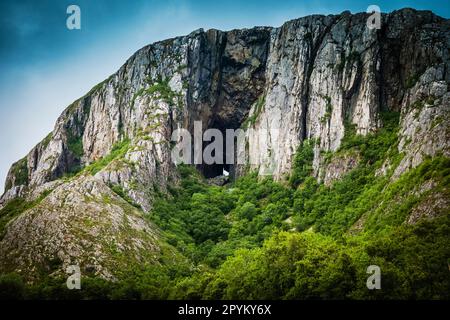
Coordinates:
[323,82]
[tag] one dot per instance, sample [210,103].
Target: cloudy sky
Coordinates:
[44,66]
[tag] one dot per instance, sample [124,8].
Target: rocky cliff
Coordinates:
[311,78]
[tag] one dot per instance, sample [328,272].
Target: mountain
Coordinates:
[330,103]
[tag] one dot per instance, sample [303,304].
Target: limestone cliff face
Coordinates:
[325,71]
[212,77]
[307,79]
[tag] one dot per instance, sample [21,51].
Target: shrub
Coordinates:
[302,164]
[118,151]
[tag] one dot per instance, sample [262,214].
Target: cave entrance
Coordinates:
[219,169]
[216,169]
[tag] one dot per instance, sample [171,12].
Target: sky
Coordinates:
[44,66]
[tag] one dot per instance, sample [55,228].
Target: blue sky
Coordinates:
[44,66]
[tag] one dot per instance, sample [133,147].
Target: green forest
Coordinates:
[255,238]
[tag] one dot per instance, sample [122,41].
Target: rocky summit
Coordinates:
[87,194]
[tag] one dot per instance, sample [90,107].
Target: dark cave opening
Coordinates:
[223,168]
[216,169]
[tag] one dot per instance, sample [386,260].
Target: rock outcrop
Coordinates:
[325,72]
[82,223]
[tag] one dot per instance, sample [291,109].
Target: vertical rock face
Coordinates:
[212,77]
[324,72]
[307,79]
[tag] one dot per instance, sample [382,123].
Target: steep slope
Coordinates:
[315,78]
[81,222]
